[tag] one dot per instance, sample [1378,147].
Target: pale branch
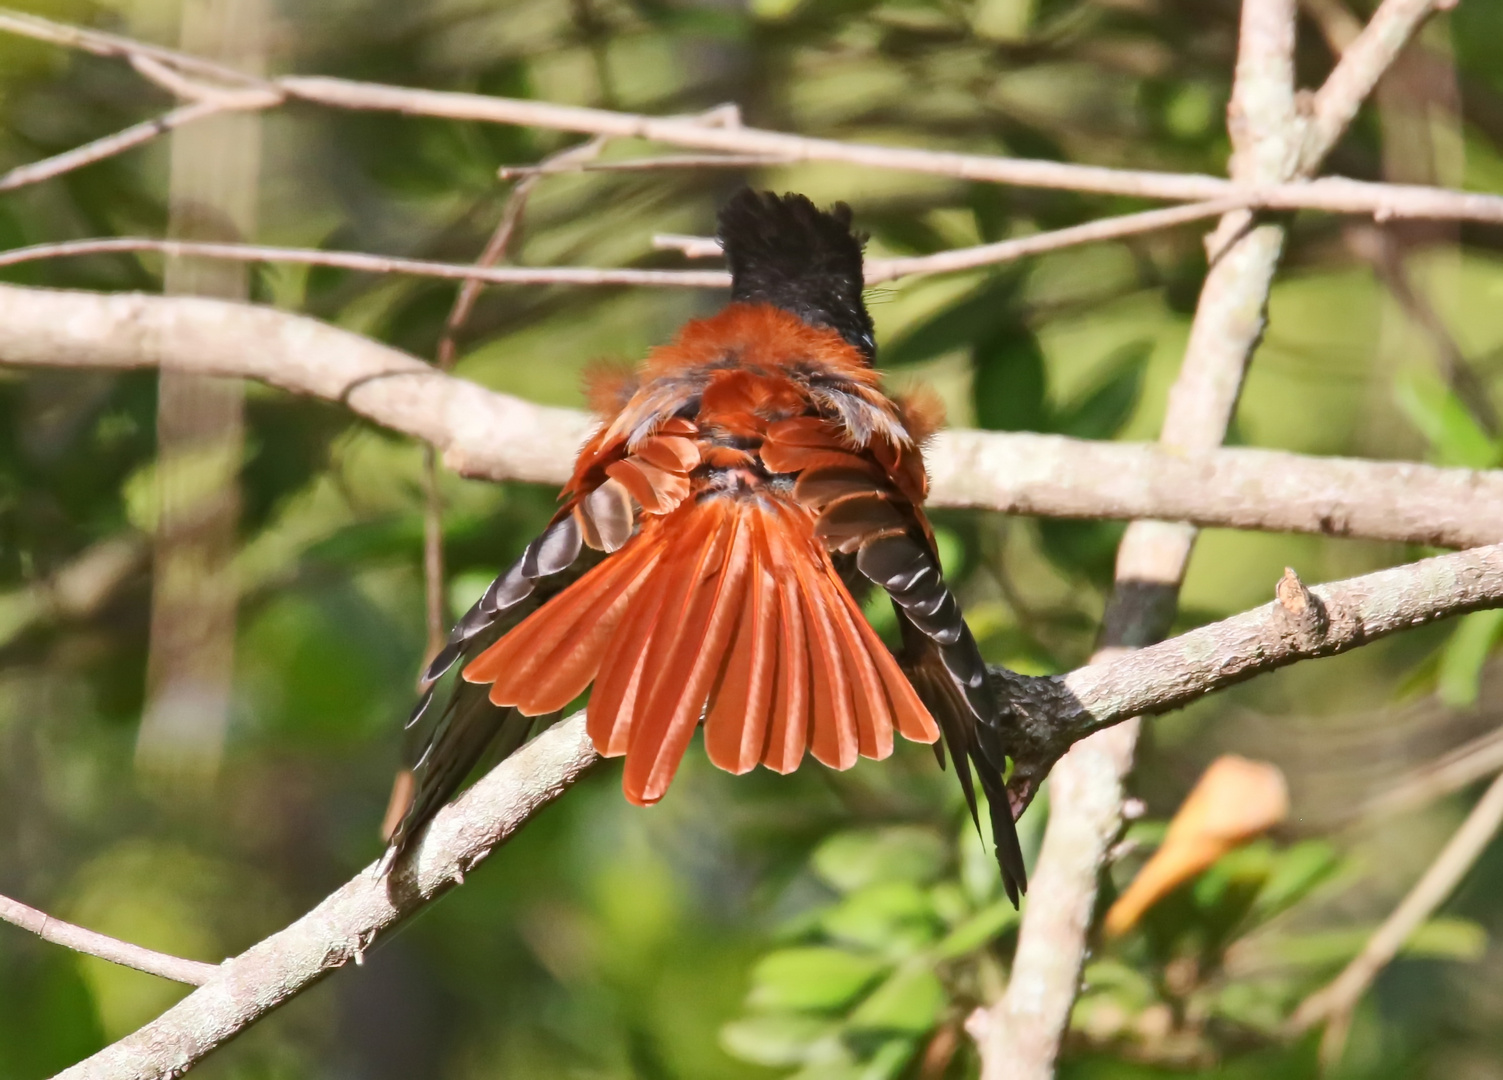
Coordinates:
[1340,616]
[476,274]
[109,146]
[1027,1025]
[483,433]
[374,264]
[80,940]
[658,163]
[1333,1005]
[1363,62]
[1330,194]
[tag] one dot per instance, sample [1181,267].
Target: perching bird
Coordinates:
[747,485]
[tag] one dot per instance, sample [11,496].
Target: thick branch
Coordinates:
[103,946]
[1152,680]
[483,433]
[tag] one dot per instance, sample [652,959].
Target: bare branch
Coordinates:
[877,270]
[1334,1004]
[646,164]
[1156,679]
[374,264]
[1362,64]
[108,146]
[1331,194]
[44,926]
[485,434]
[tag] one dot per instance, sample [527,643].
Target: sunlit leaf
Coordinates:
[890,916]
[775,1040]
[979,929]
[814,979]
[909,1002]
[848,861]
[1465,652]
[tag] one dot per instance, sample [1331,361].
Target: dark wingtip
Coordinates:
[784,251]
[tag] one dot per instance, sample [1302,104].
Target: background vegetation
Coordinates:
[838,924]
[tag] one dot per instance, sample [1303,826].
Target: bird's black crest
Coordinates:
[785,251]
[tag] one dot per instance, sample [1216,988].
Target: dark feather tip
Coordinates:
[785,251]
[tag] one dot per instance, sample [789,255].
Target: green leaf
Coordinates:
[776,1040]
[1464,654]
[974,317]
[851,860]
[976,931]
[1009,384]
[909,1002]
[1445,422]
[893,917]
[889,1060]
[1296,872]
[815,979]
[1102,411]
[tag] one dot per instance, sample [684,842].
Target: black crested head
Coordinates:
[785,251]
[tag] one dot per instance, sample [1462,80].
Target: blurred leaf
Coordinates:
[910,1002]
[1103,410]
[892,917]
[1448,425]
[849,861]
[978,930]
[775,1040]
[1466,650]
[815,979]
[1296,872]
[1008,382]
[973,318]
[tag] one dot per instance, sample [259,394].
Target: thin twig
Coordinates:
[1332,194]
[646,164]
[1482,756]
[109,146]
[1335,1003]
[375,264]
[92,943]
[877,270]
[459,314]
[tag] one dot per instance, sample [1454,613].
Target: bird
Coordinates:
[746,488]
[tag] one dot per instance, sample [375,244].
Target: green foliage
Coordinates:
[831,925]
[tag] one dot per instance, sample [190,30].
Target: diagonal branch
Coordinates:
[1152,680]
[1334,1004]
[1016,472]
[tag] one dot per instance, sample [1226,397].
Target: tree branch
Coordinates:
[103,946]
[1059,709]
[1027,1025]
[1331,194]
[1022,473]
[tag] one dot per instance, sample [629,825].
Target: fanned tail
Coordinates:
[728,610]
